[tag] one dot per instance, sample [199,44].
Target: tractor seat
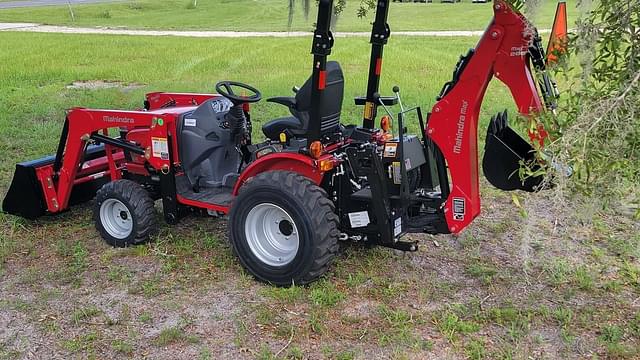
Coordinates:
[300,107]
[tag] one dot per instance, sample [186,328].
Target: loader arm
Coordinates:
[503,52]
[86,126]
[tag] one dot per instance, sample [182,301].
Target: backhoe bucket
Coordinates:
[504,151]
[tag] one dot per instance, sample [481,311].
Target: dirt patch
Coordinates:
[540,286]
[102,84]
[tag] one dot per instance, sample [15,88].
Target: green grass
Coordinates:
[34,93]
[399,329]
[265,15]
[85,314]
[373,300]
[324,293]
[451,325]
[173,335]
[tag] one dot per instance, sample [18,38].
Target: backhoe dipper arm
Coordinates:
[502,51]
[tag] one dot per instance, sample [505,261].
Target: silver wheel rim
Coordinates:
[272,234]
[116,218]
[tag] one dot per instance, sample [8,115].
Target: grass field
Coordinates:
[549,284]
[37,84]
[265,15]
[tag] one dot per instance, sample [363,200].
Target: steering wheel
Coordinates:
[225,88]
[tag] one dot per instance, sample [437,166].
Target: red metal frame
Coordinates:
[203,205]
[84,122]
[160,100]
[158,123]
[302,164]
[501,52]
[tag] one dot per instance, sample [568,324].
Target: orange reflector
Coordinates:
[385,123]
[316,149]
[326,165]
[245,106]
[558,40]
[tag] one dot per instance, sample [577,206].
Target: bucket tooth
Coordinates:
[503,153]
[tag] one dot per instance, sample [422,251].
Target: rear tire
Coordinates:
[284,229]
[124,213]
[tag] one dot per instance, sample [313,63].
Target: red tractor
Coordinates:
[313,181]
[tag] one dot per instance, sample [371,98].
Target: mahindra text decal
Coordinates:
[117,119]
[519,51]
[457,148]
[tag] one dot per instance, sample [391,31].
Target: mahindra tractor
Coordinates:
[313,181]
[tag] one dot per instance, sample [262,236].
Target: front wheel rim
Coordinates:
[116,218]
[272,235]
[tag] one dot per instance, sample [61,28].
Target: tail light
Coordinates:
[316,149]
[385,123]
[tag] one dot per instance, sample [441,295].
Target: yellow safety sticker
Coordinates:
[368,110]
[160,148]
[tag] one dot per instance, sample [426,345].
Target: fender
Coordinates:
[294,162]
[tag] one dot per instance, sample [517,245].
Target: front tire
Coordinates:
[284,229]
[124,213]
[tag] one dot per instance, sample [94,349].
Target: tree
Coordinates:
[598,127]
[339,5]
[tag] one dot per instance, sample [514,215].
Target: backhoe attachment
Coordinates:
[511,51]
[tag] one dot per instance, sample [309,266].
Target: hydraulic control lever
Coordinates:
[396,90]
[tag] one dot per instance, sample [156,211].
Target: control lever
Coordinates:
[295,89]
[396,90]
[376,98]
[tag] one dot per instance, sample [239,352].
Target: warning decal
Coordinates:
[459,205]
[397,227]
[359,219]
[160,148]
[390,149]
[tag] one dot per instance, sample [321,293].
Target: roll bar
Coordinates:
[321,48]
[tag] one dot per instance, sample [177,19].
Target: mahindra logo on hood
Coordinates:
[117,119]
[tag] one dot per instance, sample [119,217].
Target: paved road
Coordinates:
[29,27]
[32,3]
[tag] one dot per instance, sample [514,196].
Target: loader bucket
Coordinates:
[503,152]
[25,197]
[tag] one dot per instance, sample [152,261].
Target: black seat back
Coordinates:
[331,101]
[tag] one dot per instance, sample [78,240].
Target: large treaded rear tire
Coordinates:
[314,218]
[139,206]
